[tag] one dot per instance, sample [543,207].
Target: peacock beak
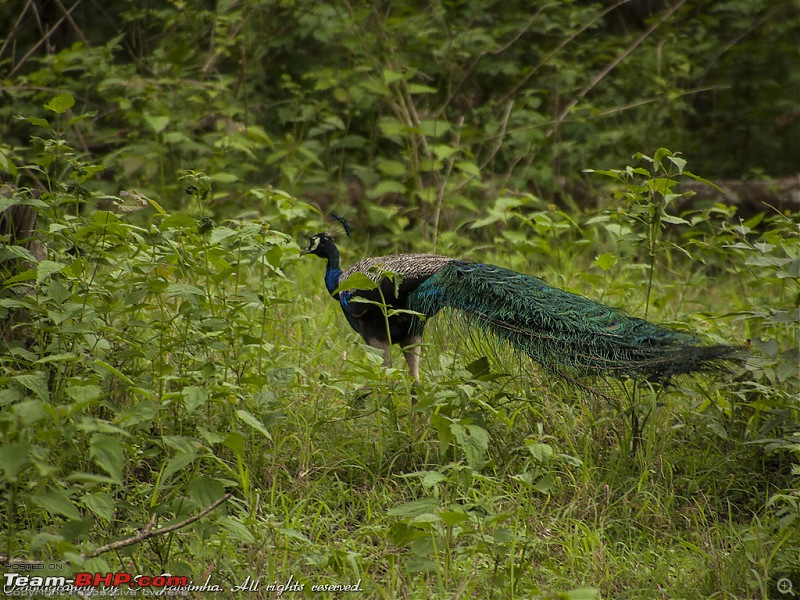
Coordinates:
[313,244]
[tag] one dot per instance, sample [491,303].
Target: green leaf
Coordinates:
[391,127]
[294,534]
[102,367]
[414,508]
[703,180]
[392,168]
[82,117]
[614,174]
[349,141]
[431,478]
[35,382]
[473,440]
[418,88]
[470,168]
[205,490]
[503,536]
[100,504]
[662,185]
[179,221]
[582,594]
[443,151]
[674,220]
[390,76]
[236,530]
[421,565]
[30,411]
[545,484]
[56,503]
[77,529]
[453,517]
[7,252]
[220,233]
[27,275]
[14,458]
[179,462]
[605,261]
[388,187]
[157,124]
[356,281]
[658,157]
[193,397]
[225,177]
[184,290]
[235,442]
[157,206]
[540,452]
[479,367]
[570,460]
[38,121]
[434,127]
[61,357]
[107,453]
[678,162]
[253,422]
[83,393]
[61,103]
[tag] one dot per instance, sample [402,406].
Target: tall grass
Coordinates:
[160,360]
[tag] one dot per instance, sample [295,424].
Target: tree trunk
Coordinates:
[750,197]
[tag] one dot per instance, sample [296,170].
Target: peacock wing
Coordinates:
[412,268]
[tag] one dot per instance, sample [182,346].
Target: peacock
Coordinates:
[565,333]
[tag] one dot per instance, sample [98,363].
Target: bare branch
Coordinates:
[15,28]
[443,182]
[145,533]
[46,36]
[610,66]
[148,532]
[73,23]
[500,137]
[513,92]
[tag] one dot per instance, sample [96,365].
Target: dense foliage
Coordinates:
[163,344]
[399,106]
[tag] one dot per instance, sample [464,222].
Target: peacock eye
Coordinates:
[312,244]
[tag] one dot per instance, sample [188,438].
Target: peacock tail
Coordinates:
[566,333]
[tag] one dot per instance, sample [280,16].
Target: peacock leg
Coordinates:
[412,352]
[383,347]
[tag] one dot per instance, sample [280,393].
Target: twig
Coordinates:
[652,99]
[554,51]
[467,71]
[73,23]
[500,137]
[609,112]
[612,65]
[44,39]
[15,28]
[148,532]
[443,183]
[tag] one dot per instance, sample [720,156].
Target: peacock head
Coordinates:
[322,245]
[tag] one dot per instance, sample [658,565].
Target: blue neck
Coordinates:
[332,272]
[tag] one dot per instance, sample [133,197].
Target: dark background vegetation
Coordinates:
[357,102]
[162,344]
